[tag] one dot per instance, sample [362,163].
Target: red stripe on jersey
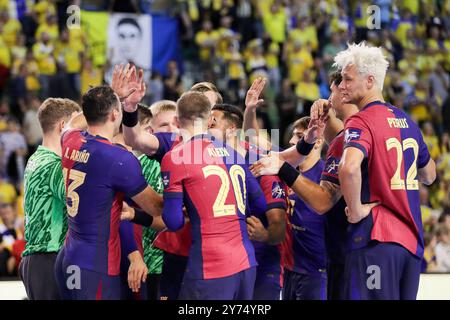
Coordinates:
[137,231]
[178,242]
[98,295]
[75,140]
[288,254]
[114,249]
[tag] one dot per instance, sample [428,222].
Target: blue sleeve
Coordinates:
[126,175]
[166,141]
[256,199]
[127,241]
[424,154]
[173,211]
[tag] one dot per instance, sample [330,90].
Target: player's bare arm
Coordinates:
[350,180]
[427,174]
[321,197]
[275,232]
[150,201]
[252,101]
[130,87]
[131,214]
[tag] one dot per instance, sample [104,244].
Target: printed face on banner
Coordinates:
[129,39]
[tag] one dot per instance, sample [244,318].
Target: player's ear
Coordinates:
[114,114]
[177,121]
[61,126]
[370,82]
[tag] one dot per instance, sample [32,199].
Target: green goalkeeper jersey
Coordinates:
[44,203]
[153,257]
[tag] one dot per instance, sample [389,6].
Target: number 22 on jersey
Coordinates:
[397,183]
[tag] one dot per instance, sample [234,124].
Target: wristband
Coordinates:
[303,147]
[288,174]
[142,218]
[130,119]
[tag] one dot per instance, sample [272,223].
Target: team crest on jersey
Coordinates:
[165,178]
[277,191]
[332,165]
[352,134]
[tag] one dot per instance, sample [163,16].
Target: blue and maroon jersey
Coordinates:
[213,182]
[336,223]
[98,176]
[178,242]
[306,252]
[394,150]
[269,257]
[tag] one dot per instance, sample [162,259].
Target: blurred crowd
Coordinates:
[230,43]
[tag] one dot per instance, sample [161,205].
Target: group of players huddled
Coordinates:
[226,213]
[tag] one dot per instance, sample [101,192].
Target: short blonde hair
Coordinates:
[369,61]
[162,106]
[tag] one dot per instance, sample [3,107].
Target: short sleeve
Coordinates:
[358,135]
[424,154]
[126,175]
[330,172]
[273,190]
[172,176]
[255,197]
[166,141]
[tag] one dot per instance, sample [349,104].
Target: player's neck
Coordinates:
[52,141]
[102,131]
[309,162]
[370,97]
[187,132]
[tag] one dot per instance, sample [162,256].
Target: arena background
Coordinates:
[229,43]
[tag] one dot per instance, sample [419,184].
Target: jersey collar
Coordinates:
[375,103]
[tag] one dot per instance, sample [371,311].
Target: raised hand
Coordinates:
[120,81]
[319,109]
[137,83]
[252,99]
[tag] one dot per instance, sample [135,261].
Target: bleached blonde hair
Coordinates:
[162,106]
[369,61]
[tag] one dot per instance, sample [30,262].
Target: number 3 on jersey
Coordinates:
[397,183]
[77,179]
[221,209]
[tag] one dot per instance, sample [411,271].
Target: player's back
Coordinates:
[44,203]
[394,151]
[213,178]
[97,176]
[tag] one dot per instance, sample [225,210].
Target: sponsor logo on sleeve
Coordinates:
[165,178]
[332,165]
[277,191]
[352,134]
